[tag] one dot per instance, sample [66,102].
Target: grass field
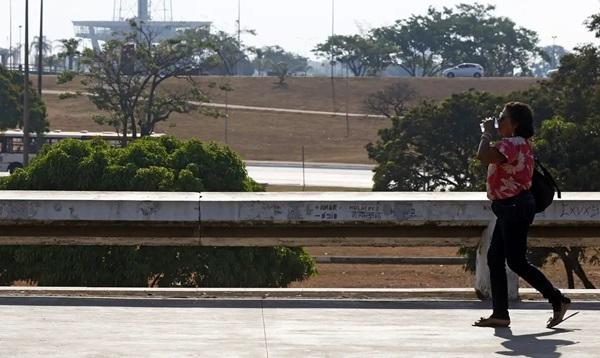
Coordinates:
[273,136]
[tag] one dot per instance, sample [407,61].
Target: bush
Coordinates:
[163,164]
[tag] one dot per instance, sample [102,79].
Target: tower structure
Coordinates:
[165,28]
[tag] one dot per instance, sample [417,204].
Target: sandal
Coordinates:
[492,322]
[559,314]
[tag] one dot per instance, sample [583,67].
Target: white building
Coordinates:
[102,31]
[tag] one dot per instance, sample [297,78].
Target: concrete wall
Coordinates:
[264,219]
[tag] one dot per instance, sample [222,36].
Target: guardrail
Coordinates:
[287,219]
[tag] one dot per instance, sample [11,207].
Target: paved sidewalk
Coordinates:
[88,327]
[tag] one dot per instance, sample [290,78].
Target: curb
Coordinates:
[285,293]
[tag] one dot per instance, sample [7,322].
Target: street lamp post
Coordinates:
[10,25]
[20,44]
[26,90]
[554,52]
[41,49]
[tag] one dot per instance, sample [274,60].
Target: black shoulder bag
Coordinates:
[543,187]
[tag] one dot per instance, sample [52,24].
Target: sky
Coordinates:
[299,25]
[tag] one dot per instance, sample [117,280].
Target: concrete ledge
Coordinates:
[278,293]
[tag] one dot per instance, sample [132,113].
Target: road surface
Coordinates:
[315,175]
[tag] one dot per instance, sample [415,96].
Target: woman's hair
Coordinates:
[522,114]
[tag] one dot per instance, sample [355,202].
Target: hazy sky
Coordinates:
[299,25]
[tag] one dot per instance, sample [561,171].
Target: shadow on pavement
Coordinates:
[274,303]
[530,345]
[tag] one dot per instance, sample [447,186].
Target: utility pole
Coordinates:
[20,44]
[332,63]
[239,35]
[554,52]
[332,35]
[41,49]
[10,25]
[26,91]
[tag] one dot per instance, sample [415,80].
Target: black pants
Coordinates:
[509,244]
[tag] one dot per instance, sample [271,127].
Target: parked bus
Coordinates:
[11,144]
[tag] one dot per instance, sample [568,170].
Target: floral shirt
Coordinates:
[512,177]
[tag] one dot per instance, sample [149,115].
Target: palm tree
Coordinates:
[70,50]
[35,47]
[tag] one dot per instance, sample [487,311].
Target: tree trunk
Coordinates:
[568,267]
[573,255]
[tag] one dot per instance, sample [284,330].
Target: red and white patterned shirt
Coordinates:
[511,178]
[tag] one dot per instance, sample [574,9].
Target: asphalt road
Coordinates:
[313,175]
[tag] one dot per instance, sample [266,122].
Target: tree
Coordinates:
[11,103]
[392,101]
[548,59]
[70,50]
[426,44]
[150,164]
[125,80]
[223,49]
[432,147]
[416,43]
[364,55]
[35,47]
[275,60]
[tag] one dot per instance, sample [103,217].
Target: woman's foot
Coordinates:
[560,308]
[492,322]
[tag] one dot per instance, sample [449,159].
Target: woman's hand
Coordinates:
[488,125]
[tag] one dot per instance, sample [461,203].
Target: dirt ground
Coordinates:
[272,136]
[411,276]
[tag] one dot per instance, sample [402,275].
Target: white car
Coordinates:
[464,70]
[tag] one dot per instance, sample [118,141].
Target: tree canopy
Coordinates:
[425,44]
[126,78]
[11,103]
[363,55]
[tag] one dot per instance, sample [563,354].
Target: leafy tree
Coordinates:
[125,80]
[150,164]
[70,50]
[11,103]
[416,43]
[221,49]
[364,55]
[432,146]
[275,60]
[426,44]
[549,59]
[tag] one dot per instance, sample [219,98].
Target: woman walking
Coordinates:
[510,170]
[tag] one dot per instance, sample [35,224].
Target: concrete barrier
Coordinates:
[290,219]
[269,219]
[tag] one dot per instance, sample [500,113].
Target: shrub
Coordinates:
[163,164]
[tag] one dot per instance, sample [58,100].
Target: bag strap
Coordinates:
[547,175]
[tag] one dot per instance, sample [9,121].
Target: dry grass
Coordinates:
[271,136]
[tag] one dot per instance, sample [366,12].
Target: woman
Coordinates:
[510,169]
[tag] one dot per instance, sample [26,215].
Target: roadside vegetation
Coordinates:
[432,145]
[150,164]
